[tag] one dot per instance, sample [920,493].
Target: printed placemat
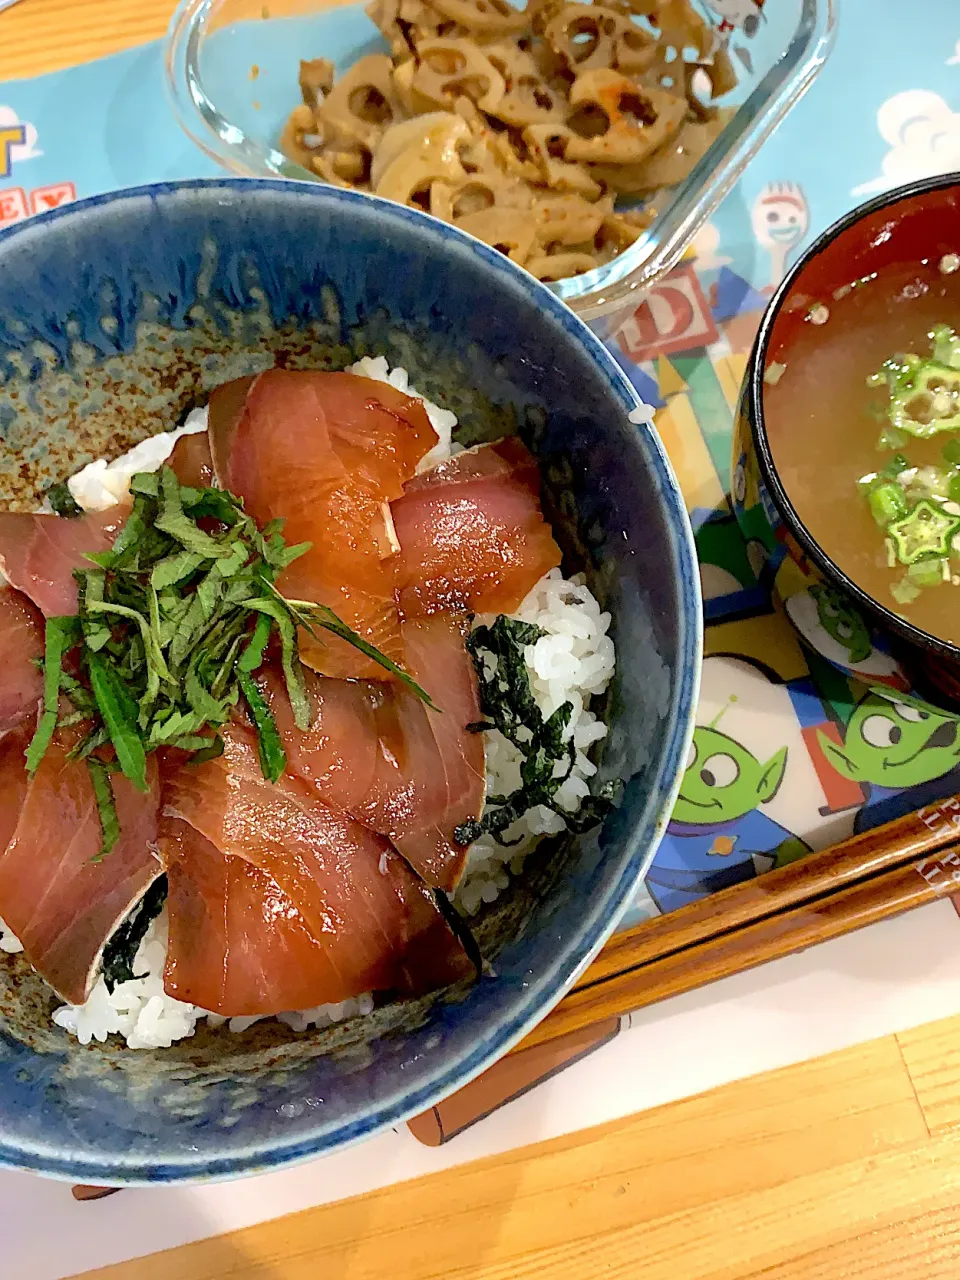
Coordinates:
[781,706]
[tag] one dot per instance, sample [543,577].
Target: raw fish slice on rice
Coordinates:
[379,926]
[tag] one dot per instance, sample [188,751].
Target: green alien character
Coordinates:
[905,750]
[717,834]
[843,623]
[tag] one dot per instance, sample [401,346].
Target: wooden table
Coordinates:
[845,1166]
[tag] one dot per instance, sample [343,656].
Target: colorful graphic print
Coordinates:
[806,730]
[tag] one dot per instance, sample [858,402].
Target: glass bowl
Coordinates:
[231,68]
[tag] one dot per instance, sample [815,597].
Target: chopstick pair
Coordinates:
[869,877]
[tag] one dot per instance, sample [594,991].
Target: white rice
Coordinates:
[147,1018]
[9,942]
[572,662]
[103,484]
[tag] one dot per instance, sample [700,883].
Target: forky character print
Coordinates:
[780,218]
[744,15]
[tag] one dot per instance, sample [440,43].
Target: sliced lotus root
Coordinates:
[671,164]
[316,80]
[719,71]
[681,27]
[558,266]
[617,121]
[635,51]
[521,126]
[416,153]
[485,18]
[510,230]
[300,139]
[405,22]
[620,230]
[567,220]
[553,68]
[492,155]
[527,99]
[450,69]
[363,103]
[540,12]
[547,144]
[412,103]
[346,168]
[589,35]
[476,194]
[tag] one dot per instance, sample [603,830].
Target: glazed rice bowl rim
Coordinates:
[544,991]
[754,386]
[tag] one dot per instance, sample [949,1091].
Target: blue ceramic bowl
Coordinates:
[119,313]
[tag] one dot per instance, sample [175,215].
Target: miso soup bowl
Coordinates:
[852,629]
[120,313]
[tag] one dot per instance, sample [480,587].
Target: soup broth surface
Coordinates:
[824,425]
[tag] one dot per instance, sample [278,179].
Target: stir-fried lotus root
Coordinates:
[521,127]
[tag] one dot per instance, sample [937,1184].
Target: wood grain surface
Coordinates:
[45,35]
[848,1166]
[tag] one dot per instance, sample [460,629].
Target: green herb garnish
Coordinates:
[924,391]
[106,806]
[171,625]
[121,951]
[508,704]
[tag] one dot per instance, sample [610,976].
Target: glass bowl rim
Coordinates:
[605,289]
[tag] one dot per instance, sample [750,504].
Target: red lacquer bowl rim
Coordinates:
[754,388]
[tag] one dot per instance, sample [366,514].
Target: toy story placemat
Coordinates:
[806,730]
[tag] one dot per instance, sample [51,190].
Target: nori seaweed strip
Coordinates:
[62,501]
[460,929]
[508,704]
[121,950]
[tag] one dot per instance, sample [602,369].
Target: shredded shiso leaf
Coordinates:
[507,702]
[171,624]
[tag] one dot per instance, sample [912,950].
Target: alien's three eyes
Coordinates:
[718,770]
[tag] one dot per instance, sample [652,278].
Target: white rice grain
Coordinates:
[103,484]
[139,1010]
[574,661]
[9,942]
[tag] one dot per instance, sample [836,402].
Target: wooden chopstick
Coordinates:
[583,1020]
[769,937]
[828,871]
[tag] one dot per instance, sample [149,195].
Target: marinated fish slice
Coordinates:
[191,461]
[337,755]
[237,944]
[472,535]
[21,642]
[436,654]
[325,452]
[375,750]
[430,773]
[61,903]
[38,553]
[13,779]
[379,925]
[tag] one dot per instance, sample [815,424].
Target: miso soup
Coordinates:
[863,420]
